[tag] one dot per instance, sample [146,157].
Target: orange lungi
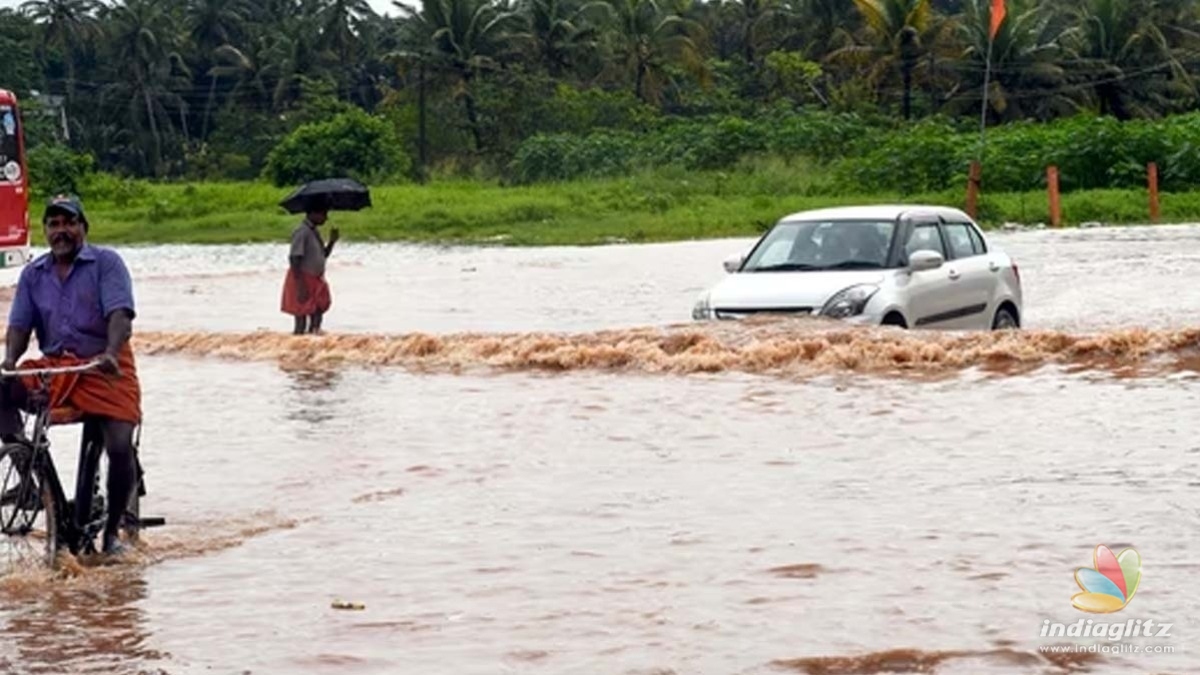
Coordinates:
[319,297]
[92,392]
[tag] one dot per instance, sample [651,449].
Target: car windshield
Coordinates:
[823,245]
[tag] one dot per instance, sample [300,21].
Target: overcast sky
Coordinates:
[381,6]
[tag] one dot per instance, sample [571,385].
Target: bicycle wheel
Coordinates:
[20,498]
[24,494]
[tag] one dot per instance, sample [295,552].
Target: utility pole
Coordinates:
[422,149]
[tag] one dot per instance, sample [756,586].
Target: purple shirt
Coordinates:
[71,315]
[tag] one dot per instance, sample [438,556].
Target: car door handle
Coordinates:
[994,266]
[954,275]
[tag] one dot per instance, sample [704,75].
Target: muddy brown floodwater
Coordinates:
[527,461]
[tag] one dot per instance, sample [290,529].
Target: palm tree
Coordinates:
[560,31]
[67,25]
[248,66]
[148,69]
[211,25]
[1027,74]
[819,27]
[464,38]
[1124,54]
[337,19]
[649,39]
[892,41]
[20,71]
[755,20]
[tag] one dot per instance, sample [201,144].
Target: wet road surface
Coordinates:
[518,464]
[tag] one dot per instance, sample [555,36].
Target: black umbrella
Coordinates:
[335,194]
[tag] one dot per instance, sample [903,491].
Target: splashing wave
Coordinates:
[782,347]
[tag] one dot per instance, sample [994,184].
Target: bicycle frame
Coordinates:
[77,526]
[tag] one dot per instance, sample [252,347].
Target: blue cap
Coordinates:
[65,204]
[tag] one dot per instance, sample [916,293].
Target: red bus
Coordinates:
[14,185]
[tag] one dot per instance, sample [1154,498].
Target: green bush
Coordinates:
[352,144]
[707,143]
[566,157]
[715,144]
[203,163]
[923,158]
[1090,152]
[107,188]
[862,155]
[818,136]
[574,110]
[55,168]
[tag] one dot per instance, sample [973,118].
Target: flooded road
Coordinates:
[518,464]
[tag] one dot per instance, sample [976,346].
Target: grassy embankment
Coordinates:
[657,206]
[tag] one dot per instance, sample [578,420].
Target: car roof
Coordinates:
[876,212]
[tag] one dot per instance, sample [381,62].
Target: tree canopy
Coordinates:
[169,88]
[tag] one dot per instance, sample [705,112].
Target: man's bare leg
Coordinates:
[13,397]
[122,476]
[314,325]
[301,325]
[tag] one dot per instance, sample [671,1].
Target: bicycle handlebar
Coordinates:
[49,371]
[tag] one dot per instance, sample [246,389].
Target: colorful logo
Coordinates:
[1110,583]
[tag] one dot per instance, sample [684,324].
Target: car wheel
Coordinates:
[1004,320]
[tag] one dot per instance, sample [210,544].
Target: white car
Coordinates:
[908,266]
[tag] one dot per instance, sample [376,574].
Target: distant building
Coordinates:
[53,107]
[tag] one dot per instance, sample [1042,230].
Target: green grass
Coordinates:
[664,205]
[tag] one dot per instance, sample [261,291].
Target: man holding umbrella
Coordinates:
[306,294]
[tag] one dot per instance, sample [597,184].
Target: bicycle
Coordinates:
[30,485]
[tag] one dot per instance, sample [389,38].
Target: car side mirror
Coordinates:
[925,260]
[734,262]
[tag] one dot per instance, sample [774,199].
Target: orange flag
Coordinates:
[998,12]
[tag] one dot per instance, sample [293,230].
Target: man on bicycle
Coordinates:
[78,299]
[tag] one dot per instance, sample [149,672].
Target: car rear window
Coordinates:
[963,240]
